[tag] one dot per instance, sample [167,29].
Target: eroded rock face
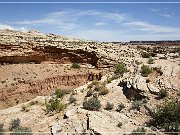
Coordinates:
[28,90]
[21,47]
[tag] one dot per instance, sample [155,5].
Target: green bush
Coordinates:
[162,93]
[60,93]
[21,131]
[145,70]
[95,82]
[109,106]
[89,93]
[150,61]
[119,124]
[76,66]
[54,105]
[72,99]
[167,116]
[14,124]
[138,103]
[25,108]
[120,69]
[120,107]
[1,129]
[102,90]
[139,131]
[17,129]
[92,104]
[145,55]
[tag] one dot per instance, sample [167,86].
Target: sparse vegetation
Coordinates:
[54,105]
[150,61]
[60,93]
[158,70]
[76,66]
[33,102]
[21,131]
[120,69]
[145,55]
[145,70]
[147,80]
[89,93]
[109,106]
[1,129]
[24,108]
[139,131]
[14,124]
[120,107]
[163,93]
[72,99]
[167,116]
[103,90]
[95,82]
[137,104]
[119,124]
[92,104]
[137,62]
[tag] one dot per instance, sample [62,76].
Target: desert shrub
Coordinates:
[109,80]
[150,61]
[162,93]
[145,55]
[92,104]
[137,104]
[119,124]
[1,129]
[60,93]
[167,116]
[89,93]
[54,105]
[72,99]
[24,108]
[147,80]
[95,82]
[21,131]
[139,131]
[120,107]
[76,66]
[158,70]
[103,90]
[14,124]
[109,106]
[137,62]
[120,69]
[33,102]
[145,70]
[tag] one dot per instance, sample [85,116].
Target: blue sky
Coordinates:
[103,22]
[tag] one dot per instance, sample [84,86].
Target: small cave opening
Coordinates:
[131,93]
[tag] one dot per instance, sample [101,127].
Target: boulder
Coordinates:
[153,89]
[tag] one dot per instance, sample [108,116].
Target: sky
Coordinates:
[95,21]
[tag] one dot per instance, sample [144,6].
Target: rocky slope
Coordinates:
[34,65]
[20,47]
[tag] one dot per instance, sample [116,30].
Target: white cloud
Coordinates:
[99,24]
[123,26]
[144,26]
[154,9]
[166,15]
[71,19]
[2,26]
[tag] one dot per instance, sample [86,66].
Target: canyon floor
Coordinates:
[34,66]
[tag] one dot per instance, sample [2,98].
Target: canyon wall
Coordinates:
[29,90]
